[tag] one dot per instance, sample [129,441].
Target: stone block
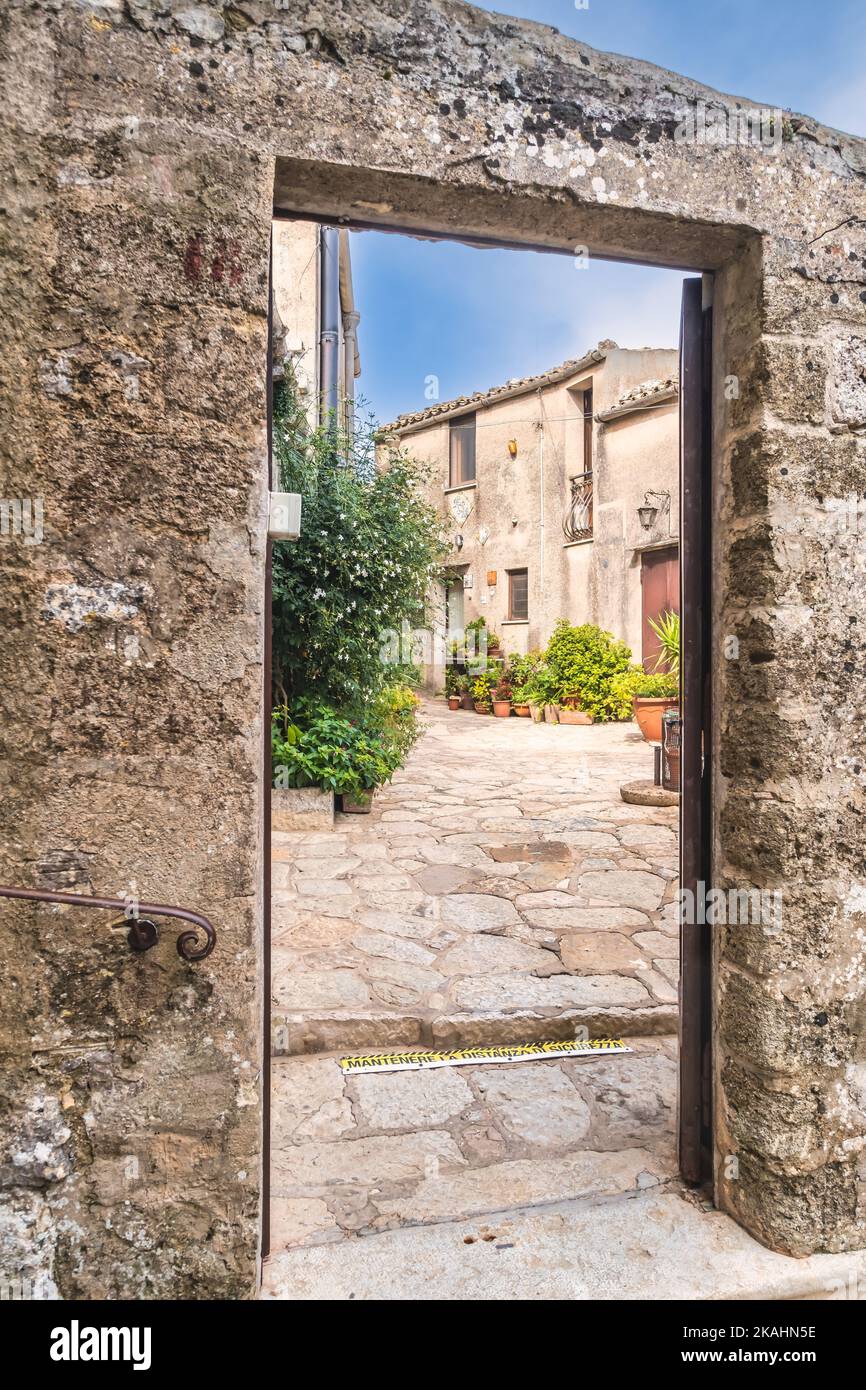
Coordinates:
[301,808]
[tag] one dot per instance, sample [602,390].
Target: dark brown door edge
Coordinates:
[695,1075]
[266,804]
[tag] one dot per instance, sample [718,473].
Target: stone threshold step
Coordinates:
[653,1246]
[295,1034]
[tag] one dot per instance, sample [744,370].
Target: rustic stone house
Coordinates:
[560,493]
[137,228]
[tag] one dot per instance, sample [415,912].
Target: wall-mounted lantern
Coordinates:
[649,510]
[458,541]
[512,448]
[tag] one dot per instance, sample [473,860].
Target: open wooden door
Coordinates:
[695,1077]
[660,594]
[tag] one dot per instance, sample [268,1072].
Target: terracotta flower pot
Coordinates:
[573,716]
[522,711]
[502,708]
[648,714]
[466,702]
[453,701]
[482,707]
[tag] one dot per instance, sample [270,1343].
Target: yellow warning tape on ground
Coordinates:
[465,1056]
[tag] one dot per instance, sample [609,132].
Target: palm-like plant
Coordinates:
[667,630]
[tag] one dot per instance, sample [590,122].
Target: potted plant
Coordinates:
[494,643]
[475,639]
[658,690]
[545,693]
[502,698]
[652,694]
[520,697]
[481,687]
[451,691]
[464,692]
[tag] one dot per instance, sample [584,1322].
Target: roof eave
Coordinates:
[634,407]
[524,388]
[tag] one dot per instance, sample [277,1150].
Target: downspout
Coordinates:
[329,335]
[350,352]
[540,428]
[350,320]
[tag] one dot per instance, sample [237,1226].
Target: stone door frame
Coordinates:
[695,1126]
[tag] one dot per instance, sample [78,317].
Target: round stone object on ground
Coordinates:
[646,793]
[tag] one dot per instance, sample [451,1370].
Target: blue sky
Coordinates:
[473,318]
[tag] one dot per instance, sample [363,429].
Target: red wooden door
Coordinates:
[660,593]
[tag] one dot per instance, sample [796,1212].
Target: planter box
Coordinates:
[574,716]
[537,712]
[301,808]
[551,714]
[356,806]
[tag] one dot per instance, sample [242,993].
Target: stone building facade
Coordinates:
[137,232]
[539,482]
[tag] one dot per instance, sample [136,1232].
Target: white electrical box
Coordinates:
[284,516]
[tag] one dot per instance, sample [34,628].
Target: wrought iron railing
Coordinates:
[141,932]
[577,523]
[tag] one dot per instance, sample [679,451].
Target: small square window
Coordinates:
[518,596]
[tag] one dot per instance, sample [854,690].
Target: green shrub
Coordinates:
[583,661]
[314,745]
[519,672]
[368,548]
[482,684]
[643,684]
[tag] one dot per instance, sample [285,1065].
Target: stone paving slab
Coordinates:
[359,1153]
[654,1245]
[499,890]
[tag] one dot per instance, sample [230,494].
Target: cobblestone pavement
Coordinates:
[360,1154]
[499,891]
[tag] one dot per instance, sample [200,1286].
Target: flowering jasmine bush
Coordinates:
[368,548]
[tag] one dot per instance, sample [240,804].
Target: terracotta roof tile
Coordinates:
[515,387]
[647,393]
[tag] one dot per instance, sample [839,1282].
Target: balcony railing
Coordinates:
[577,524]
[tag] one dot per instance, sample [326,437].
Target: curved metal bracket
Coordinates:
[143,934]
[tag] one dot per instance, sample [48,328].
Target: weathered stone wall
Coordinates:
[134,348]
[137,223]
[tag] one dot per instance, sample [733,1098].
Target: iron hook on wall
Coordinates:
[143,933]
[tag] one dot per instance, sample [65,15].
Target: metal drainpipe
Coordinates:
[350,325]
[541,494]
[329,337]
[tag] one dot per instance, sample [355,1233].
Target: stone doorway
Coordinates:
[434,122]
